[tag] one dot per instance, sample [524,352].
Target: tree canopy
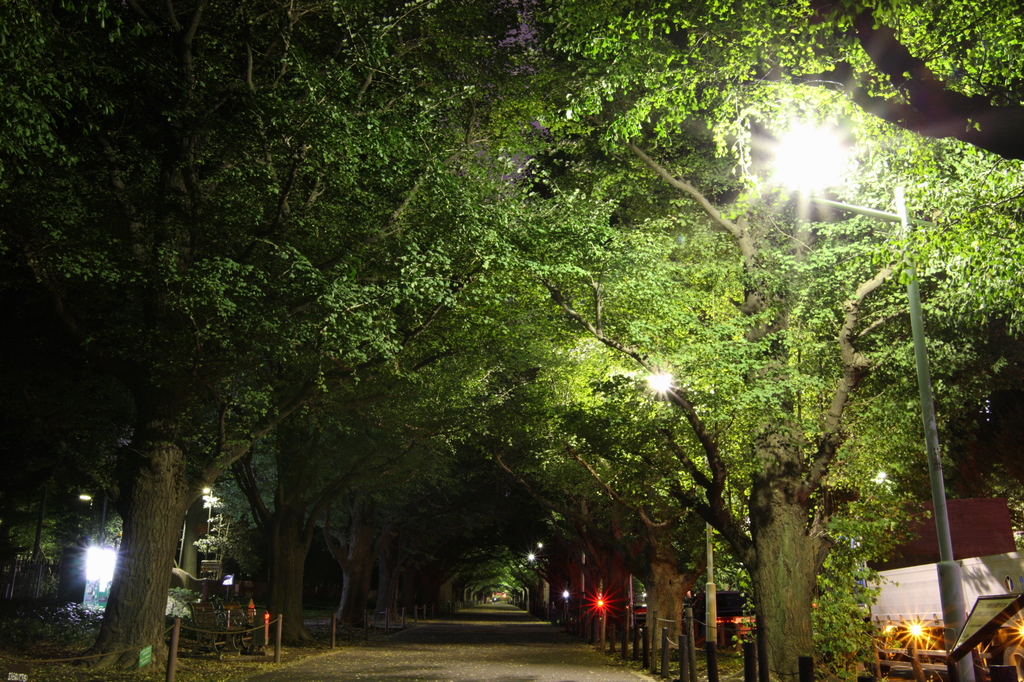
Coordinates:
[397,238]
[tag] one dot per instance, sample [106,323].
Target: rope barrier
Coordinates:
[229,632]
[85,658]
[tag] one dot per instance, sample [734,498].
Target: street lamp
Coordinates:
[660,383]
[809,158]
[950,582]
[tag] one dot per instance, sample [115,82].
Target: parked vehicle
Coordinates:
[735,616]
[908,609]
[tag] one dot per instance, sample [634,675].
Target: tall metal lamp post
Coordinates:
[951,595]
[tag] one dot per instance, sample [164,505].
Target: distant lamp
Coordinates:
[531,556]
[85,498]
[565,594]
[540,545]
[660,383]
[809,159]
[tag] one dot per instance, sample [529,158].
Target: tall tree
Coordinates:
[240,215]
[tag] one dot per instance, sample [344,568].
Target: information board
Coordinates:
[987,616]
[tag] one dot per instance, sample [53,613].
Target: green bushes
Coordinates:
[73,625]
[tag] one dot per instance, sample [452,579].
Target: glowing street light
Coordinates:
[531,557]
[660,383]
[565,594]
[99,564]
[809,158]
[950,580]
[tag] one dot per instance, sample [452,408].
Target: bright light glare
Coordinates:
[880,478]
[531,556]
[916,630]
[565,595]
[540,545]
[660,383]
[84,498]
[809,158]
[99,564]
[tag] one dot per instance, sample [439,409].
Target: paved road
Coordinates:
[495,643]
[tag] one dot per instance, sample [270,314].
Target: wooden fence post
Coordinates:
[749,662]
[711,649]
[691,644]
[665,652]
[646,645]
[805,668]
[277,639]
[684,664]
[172,652]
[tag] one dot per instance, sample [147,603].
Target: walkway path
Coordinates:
[494,643]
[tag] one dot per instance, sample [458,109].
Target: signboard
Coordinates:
[18,672]
[987,616]
[145,656]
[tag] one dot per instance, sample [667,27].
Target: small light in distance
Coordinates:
[531,556]
[85,498]
[540,545]
[565,594]
[660,383]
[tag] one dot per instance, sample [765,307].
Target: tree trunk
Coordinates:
[387,582]
[356,590]
[666,590]
[288,550]
[356,552]
[188,558]
[783,572]
[152,506]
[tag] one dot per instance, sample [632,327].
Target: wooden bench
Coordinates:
[923,664]
[221,630]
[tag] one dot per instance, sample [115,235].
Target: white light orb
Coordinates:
[99,564]
[809,159]
[660,383]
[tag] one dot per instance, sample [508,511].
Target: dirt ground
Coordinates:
[494,643]
[488,643]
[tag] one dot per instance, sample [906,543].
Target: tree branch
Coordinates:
[855,366]
[933,109]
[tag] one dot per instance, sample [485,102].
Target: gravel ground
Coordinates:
[494,643]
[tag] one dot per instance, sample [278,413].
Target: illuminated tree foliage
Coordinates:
[771,319]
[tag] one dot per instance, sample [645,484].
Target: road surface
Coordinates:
[493,643]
